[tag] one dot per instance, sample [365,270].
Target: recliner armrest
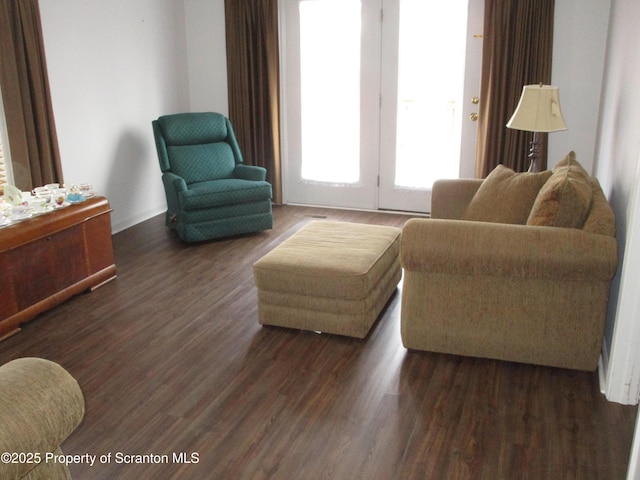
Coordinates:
[174,181]
[250,172]
[483,248]
[40,405]
[173,185]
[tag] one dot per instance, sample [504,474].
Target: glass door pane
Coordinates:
[431,57]
[330,90]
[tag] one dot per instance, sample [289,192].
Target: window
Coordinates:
[3,170]
[5,157]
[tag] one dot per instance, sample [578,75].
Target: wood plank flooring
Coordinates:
[172,360]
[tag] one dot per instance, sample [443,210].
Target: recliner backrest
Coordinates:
[197,146]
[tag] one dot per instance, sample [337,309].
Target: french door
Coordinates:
[372,100]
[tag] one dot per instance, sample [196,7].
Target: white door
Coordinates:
[330,85]
[372,100]
[433,53]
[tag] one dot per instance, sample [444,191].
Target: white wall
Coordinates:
[617,165]
[579,47]
[113,67]
[206,45]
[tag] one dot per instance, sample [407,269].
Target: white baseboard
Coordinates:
[603,365]
[132,220]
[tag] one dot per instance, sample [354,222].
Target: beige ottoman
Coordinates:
[332,277]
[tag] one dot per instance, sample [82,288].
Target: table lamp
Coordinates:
[538,111]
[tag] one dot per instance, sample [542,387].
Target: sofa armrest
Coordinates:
[250,172]
[40,405]
[483,248]
[449,198]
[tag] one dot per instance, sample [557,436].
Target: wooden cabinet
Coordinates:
[47,259]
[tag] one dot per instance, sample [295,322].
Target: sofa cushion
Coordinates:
[601,219]
[565,200]
[505,196]
[193,128]
[199,163]
[230,191]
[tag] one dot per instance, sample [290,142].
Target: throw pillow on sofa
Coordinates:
[505,196]
[565,200]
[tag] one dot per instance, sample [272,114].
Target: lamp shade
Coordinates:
[538,110]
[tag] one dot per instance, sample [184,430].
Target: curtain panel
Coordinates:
[517,51]
[254,83]
[35,156]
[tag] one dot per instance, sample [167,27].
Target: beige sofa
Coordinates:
[516,267]
[40,405]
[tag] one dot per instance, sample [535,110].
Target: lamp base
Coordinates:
[534,154]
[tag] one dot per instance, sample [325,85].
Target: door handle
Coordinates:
[473,117]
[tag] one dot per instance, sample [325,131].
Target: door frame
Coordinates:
[471,89]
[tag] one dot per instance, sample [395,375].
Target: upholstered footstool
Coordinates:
[331,277]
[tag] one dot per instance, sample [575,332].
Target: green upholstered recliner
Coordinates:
[210,192]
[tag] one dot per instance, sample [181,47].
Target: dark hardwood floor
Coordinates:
[172,360]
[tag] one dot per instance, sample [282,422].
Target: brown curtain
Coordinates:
[31,128]
[517,51]
[253,78]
